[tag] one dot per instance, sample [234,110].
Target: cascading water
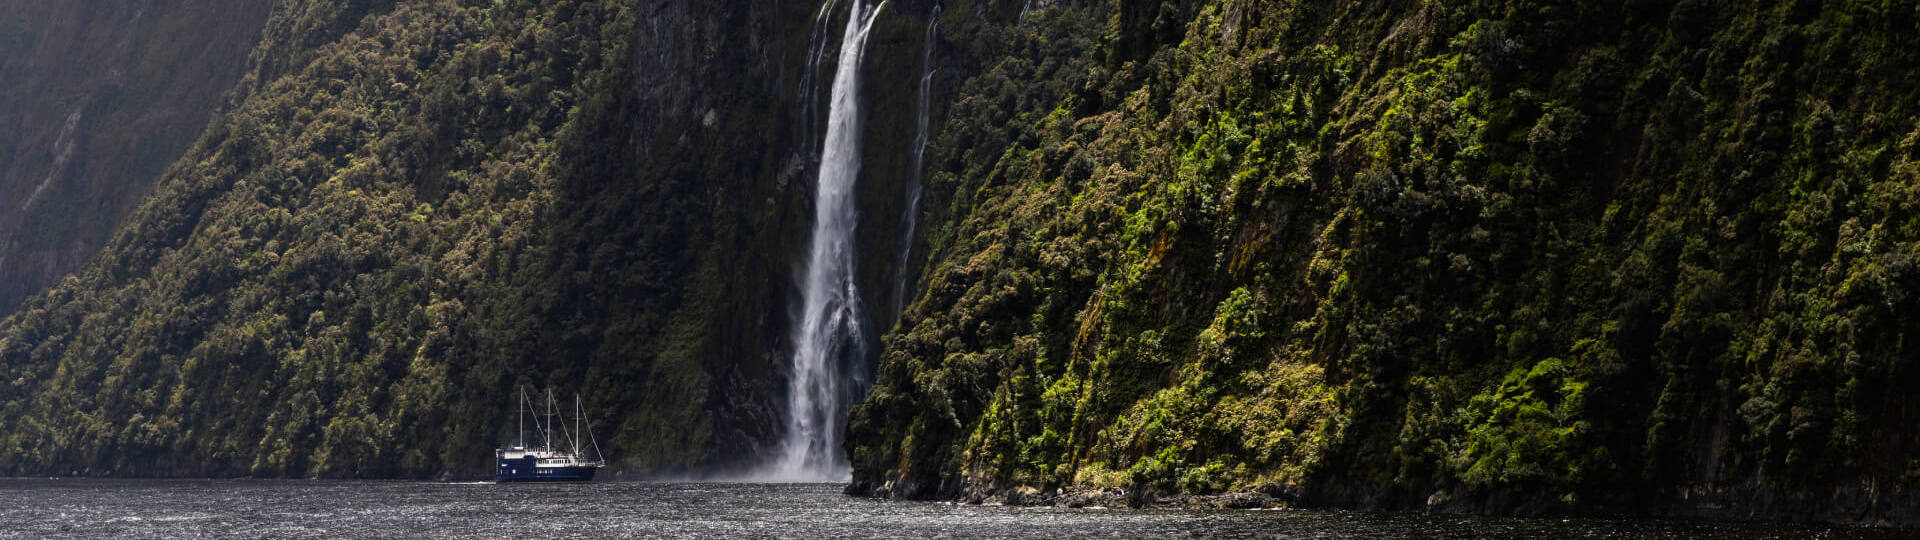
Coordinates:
[816,52]
[829,326]
[910,216]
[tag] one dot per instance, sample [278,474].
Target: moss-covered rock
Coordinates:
[1538,255]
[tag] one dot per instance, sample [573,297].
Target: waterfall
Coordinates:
[816,52]
[827,334]
[910,216]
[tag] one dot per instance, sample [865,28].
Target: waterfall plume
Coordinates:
[827,334]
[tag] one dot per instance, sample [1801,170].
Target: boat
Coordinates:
[556,459]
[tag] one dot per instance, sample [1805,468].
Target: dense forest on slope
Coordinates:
[1486,254]
[418,206]
[96,99]
[1481,254]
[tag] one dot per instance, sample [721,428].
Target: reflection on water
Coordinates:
[326,509]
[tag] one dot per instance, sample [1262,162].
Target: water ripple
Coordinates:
[330,509]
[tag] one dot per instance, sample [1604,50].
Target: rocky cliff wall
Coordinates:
[96,100]
[1501,256]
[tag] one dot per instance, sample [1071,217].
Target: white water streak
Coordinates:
[830,313]
[63,151]
[910,217]
[816,52]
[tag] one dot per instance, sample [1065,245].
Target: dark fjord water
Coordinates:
[319,509]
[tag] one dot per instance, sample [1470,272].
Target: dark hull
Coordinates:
[523,470]
[554,474]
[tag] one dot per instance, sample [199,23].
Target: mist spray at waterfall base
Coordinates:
[828,336]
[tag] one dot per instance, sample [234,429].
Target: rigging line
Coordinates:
[597,456]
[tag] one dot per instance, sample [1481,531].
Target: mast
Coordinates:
[597,457]
[520,418]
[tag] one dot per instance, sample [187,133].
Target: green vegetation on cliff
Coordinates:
[416,207]
[1386,253]
[410,208]
[1392,253]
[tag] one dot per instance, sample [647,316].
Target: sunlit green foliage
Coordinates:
[1339,251]
[416,207]
[1352,251]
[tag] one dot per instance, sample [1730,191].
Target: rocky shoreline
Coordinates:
[1739,504]
[1119,498]
[963,491]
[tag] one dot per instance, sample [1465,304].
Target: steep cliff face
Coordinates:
[416,207]
[96,99]
[419,206]
[1499,255]
[1504,255]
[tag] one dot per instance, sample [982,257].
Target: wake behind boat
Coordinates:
[549,462]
